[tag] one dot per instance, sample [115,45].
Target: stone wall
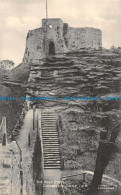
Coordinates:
[56,37]
[34,45]
[84,38]
[10,180]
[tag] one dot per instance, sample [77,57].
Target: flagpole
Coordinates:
[46,9]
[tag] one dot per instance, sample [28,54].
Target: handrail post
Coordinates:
[83,177]
[34,109]
[29,139]
[4,131]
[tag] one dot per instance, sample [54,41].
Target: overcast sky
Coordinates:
[19,16]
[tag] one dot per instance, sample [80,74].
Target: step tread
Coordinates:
[48,122]
[47,161]
[48,134]
[50,126]
[51,150]
[51,147]
[55,158]
[50,138]
[54,146]
[49,119]
[49,130]
[52,164]
[50,142]
[52,153]
[52,167]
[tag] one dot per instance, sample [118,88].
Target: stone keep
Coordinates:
[56,37]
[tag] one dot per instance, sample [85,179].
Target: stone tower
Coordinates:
[56,37]
[53,36]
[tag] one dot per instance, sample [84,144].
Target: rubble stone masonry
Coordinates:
[56,37]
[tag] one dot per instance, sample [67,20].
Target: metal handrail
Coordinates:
[39,131]
[89,173]
[20,151]
[16,125]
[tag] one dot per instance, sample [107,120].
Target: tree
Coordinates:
[105,150]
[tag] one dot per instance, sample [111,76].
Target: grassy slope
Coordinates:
[12,109]
[19,73]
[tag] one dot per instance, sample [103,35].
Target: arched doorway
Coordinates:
[51,48]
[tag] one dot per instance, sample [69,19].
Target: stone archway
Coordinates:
[51,48]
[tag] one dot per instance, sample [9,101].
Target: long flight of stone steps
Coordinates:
[50,141]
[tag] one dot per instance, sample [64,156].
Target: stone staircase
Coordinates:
[50,141]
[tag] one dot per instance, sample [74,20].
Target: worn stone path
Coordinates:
[52,180]
[25,130]
[27,152]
